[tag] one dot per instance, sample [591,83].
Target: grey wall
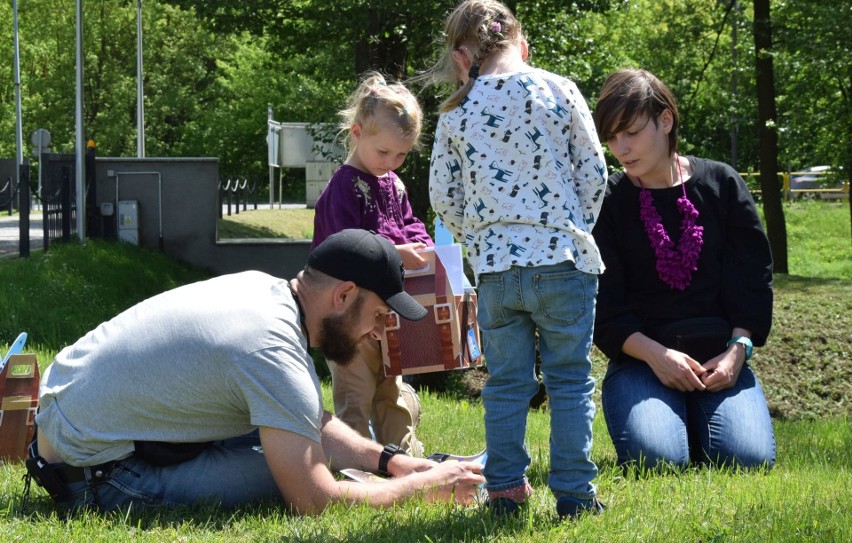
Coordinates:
[188,210]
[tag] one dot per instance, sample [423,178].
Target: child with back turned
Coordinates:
[518,174]
[382,122]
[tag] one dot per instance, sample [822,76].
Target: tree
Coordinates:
[768,136]
[395,38]
[814,57]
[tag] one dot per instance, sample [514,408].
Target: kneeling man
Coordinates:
[207,393]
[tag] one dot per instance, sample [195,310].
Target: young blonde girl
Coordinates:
[382,123]
[518,173]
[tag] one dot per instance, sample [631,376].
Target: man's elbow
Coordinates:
[309,507]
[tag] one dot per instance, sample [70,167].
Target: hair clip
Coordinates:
[496,27]
[473,73]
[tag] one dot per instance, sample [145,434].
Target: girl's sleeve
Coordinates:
[587,157]
[615,319]
[413,228]
[336,209]
[446,189]
[746,263]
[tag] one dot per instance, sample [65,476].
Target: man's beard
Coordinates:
[336,340]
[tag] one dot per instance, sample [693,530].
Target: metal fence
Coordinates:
[823,184]
[236,191]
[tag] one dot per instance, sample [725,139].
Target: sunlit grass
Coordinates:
[818,238]
[268,223]
[59,295]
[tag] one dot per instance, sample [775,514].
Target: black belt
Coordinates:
[73,474]
[57,477]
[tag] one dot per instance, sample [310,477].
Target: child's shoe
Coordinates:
[508,502]
[504,507]
[568,507]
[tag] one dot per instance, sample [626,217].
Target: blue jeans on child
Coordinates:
[231,473]
[649,420]
[558,301]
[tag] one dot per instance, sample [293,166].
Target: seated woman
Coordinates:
[686,293]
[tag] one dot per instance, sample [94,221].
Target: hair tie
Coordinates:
[473,73]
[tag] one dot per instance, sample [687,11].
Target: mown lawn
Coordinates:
[56,297]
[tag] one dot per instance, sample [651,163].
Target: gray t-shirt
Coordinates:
[206,361]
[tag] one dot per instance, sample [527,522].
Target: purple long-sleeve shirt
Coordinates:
[355,199]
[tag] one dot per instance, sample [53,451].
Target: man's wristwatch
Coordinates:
[389,451]
[745,342]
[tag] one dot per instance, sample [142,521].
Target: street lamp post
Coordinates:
[81,142]
[140,97]
[19,131]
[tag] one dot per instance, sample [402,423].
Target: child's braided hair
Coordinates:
[482,27]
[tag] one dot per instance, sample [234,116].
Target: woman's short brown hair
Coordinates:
[629,94]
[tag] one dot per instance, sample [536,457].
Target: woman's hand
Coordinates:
[678,370]
[673,368]
[724,370]
[411,259]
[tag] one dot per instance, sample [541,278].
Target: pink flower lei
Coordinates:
[674,264]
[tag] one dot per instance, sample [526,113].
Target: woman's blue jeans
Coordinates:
[230,473]
[558,302]
[652,422]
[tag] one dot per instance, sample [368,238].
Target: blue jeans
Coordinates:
[231,473]
[649,420]
[558,302]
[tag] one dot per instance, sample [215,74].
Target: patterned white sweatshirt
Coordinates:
[518,173]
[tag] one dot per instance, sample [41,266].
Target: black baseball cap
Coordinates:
[371,262]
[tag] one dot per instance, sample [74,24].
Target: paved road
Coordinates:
[10,234]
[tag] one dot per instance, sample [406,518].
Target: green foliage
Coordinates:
[212,68]
[813,67]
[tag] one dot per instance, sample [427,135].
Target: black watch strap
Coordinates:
[389,451]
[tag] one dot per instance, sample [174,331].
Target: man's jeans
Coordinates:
[558,302]
[649,420]
[231,472]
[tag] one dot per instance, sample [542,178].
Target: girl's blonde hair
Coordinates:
[376,101]
[483,27]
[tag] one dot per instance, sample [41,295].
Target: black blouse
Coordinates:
[734,276]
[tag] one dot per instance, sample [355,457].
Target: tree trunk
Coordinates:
[776,228]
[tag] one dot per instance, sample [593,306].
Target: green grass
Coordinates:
[818,243]
[817,231]
[268,223]
[58,296]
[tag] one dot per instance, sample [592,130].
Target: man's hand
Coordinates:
[401,465]
[458,482]
[300,468]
